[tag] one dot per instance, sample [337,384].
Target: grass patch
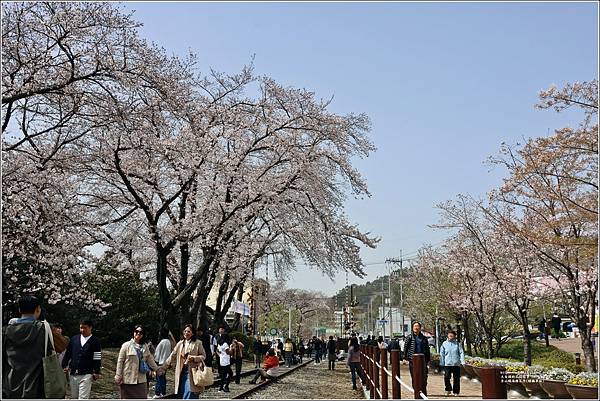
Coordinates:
[548,357]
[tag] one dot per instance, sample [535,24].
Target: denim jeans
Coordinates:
[161,385]
[185,391]
[355,368]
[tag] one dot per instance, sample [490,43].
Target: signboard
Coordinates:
[273,332]
[382,322]
[241,308]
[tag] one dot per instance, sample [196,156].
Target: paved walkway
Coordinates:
[435,386]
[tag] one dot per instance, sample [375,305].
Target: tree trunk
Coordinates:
[586,346]
[185,316]
[237,321]
[466,328]
[166,312]
[522,310]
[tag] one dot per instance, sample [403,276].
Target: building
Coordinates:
[398,323]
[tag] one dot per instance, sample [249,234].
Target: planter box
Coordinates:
[469,373]
[492,386]
[536,391]
[556,389]
[582,392]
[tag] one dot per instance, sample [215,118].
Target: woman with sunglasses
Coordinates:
[135,360]
[188,353]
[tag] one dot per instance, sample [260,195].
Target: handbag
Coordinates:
[144,367]
[55,382]
[203,376]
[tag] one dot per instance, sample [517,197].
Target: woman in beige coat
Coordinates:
[188,353]
[131,372]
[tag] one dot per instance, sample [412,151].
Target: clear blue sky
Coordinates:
[444,85]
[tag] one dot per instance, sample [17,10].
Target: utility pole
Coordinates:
[290,322]
[382,307]
[390,299]
[399,261]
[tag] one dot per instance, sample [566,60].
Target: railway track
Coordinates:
[212,394]
[266,383]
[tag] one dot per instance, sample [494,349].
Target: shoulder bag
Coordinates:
[55,382]
[203,376]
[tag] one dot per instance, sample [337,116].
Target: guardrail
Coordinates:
[374,364]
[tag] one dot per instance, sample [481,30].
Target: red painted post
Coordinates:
[360,347]
[395,362]
[418,362]
[384,375]
[370,367]
[492,386]
[376,372]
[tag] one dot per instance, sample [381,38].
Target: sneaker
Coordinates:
[251,382]
[448,393]
[220,390]
[454,395]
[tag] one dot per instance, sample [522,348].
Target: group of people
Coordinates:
[452,356]
[25,344]
[554,327]
[26,341]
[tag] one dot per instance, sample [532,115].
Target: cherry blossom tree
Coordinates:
[553,188]
[60,63]
[271,168]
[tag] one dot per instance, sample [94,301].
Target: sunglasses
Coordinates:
[139,332]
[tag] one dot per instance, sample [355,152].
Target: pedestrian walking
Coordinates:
[331,350]
[556,325]
[452,357]
[280,350]
[188,353]
[163,350]
[288,351]
[380,343]
[301,349]
[237,352]
[206,339]
[317,349]
[224,353]
[417,343]
[23,349]
[270,369]
[367,340]
[61,342]
[82,361]
[257,350]
[215,344]
[134,361]
[542,328]
[353,362]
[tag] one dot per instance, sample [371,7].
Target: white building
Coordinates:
[398,324]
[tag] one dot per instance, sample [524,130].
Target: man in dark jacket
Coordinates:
[257,350]
[22,352]
[331,349]
[417,343]
[82,360]
[556,325]
[205,338]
